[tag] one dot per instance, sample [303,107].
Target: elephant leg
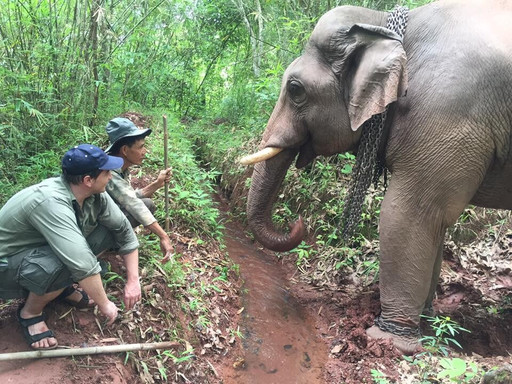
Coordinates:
[424,198]
[428,310]
[411,231]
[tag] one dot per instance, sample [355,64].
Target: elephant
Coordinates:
[446,88]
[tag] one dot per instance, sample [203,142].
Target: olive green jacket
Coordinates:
[48,214]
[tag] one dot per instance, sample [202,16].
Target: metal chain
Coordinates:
[397,20]
[395,329]
[368,166]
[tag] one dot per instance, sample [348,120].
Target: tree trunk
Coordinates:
[258,44]
[255,36]
[93,36]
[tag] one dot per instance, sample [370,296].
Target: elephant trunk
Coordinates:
[266,182]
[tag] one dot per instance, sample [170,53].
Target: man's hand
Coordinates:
[132,293]
[167,249]
[163,177]
[110,310]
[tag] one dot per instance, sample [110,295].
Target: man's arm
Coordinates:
[94,288]
[114,220]
[165,242]
[132,291]
[126,197]
[163,176]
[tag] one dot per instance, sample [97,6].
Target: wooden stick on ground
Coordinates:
[87,351]
[166,165]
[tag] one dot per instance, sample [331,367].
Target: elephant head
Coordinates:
[348,73]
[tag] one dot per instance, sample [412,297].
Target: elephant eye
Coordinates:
[296,91]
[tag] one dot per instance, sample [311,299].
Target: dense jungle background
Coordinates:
[214,69]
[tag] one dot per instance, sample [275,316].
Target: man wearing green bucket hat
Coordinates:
[127,141]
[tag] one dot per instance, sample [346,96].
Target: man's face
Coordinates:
[136,153]
[100,183]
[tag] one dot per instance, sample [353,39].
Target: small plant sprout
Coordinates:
[445,330]
[379,377]
[303,252]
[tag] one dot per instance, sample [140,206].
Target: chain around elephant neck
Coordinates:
[397,20]
[368,166]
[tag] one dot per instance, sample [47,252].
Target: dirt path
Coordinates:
[280,343]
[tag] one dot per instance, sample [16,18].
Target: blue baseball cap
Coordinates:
[119,128]
[85,158]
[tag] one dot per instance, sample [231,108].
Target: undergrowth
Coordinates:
[181,298]
[191,189]
[198,276]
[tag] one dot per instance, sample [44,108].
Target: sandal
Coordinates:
[31,339]
[68,291]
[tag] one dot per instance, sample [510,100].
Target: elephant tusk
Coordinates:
[264,154]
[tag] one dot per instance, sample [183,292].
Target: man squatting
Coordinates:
[127,141]
[51,234]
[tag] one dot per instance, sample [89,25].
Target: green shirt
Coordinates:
[48,214]
[120,189]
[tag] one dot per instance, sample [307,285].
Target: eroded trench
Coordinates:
[280,343]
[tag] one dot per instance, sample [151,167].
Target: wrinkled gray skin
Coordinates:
[449,140]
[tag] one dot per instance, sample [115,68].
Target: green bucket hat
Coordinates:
[119,128]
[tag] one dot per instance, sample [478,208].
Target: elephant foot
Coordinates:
[408,344]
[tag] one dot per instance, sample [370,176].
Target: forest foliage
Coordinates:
[68,66]
[214,67]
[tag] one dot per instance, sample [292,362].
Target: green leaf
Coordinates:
[347,168]
[453,368]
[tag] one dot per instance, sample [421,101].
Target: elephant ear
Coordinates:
[377,75]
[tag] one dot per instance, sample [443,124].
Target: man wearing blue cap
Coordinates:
[51,234]
[128,142]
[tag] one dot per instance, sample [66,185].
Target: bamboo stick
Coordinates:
[166,165]
[41,354]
